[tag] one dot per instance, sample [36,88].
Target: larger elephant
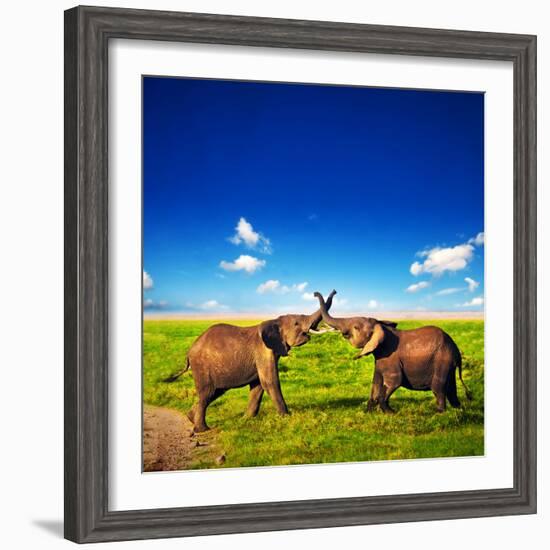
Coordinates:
[227,356]
[425,358]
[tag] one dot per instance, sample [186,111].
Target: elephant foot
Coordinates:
[198,426]
[388,410]
[371,405]
[200,429]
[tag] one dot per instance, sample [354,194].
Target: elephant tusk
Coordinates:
[322,331]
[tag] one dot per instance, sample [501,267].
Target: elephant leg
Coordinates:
[391,383]
[375,390]
[269,379]
[439,390]
[255,399]
[205,398]
[191,414]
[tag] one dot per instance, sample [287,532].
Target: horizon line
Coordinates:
[403,315]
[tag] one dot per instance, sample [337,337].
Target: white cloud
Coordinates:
[244,233]
[309,296]
[438,260]
[447,291]
[478,240]
[243,263]
[147,281]
[473,302]
[151,304]
[269,286]
[472,285]
[416,268]
[373,304]
[417,286]
[273,285]
[212,304]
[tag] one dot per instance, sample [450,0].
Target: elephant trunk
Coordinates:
[316,317]
[327,318]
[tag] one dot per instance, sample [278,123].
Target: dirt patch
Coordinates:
[169,442]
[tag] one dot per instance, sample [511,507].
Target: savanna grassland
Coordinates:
[326,392]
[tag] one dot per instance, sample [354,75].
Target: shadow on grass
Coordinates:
[340,403]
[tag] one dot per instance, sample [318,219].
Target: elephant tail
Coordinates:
[176,375]
[459,366]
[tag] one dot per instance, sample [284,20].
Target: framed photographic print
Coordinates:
[300,274]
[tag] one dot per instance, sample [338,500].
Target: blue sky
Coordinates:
[258,194]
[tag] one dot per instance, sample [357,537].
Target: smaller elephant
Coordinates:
[425,358]
[226,356]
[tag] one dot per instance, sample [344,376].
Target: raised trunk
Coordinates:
[316,317]
[327,318]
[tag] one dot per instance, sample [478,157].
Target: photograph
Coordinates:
[319,244]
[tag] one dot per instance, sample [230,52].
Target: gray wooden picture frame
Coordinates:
[87,34]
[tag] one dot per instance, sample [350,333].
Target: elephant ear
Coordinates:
[391,324]
[270,332]
[375,340]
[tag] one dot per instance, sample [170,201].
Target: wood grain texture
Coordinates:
[87,32]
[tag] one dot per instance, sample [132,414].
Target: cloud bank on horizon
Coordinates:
[261,206]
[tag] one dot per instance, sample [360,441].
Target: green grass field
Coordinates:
[326,392]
